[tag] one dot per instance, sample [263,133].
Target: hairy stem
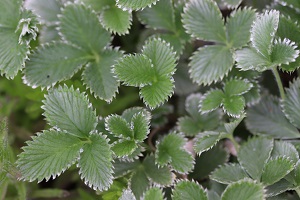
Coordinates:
[235,144]
[279,83]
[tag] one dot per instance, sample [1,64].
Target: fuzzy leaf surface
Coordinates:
[234,105]
[52,63]
[95,163]
[69,110]
[49,154]
[124,148]
[206,141]
[228,174]
[212,100]
[140,123]
[154,193]
[188,190]
[284,52]
[134,4]
[208,25]
[237,87]
[254,154]
[118,126]
[210,64]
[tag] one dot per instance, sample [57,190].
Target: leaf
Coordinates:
[291,103]
[118,126]
[116,20]
[121,168]
[267,118]
[279,187]
[244,190]
[124,147]
[206,141]
[188,190]
[234,105]
[10,13]
[229,173]
[81,26]
[49,154]
[210,64]
[141,126]
[98,75]
[237,87]
[95,163]
[209,24]
[139,182]
[135,70]
[134,4]
[52,63]
[127,195]
[254,154]
[297,173]
[212,100]
[238,26]
[263,32]
[154,193]
[97,5]
[276,169]
[159,16]
[232,3]
[284,52]
[287,27]
[282,148]
[69,110]
[231,126]
[130,112]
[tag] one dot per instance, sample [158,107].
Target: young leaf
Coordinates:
[229,173]
[188,190]
[212,100]
[124,147]
[127,195]
[208,25]
[282,148]
[244,190]
[49,154]
[284,52]
[267,118]
[118,126]
[81,26]
[276,169]
[263,32]
[52,63]
[234,105]
[95,163]
[210,64]
[134,4]
[237,87]
[154,193]
[140,124]
[69,110]
[206,141]
[254,154]
[238,26]
[98,75]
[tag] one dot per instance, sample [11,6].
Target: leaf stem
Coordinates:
[235,144]
[279,83]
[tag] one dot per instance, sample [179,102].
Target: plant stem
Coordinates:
[235,144]
[279,83]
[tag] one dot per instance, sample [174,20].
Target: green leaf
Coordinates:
[276,169]
[297,173]
[141,126]
[127,195]
[52,63]
[267,118]
[284,52]
[97,5]
[229,173]
[135,70]
[116,20]
[237,87]
[188,190]
[279,187]
[81,26]
[95,163]
[159,16]
[121,168]
[139,182]
[210,64]
[282,148]
[231,126]
[208,25]
[130,112]
[212,100]
[244,190]
[234,105]
[154,193]
[118,126]
[254,154]
[10,13]
[69,110]
[238,26]
[49,154]
[124,147]
[134,4]
[98,75]
[232,3]
[287,28]
[263,32]
[206,141]
[291,103]
[183,84]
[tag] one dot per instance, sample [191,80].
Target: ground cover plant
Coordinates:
[149,99]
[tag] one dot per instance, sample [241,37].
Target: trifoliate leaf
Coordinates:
[154,193]
[124,147]
[291,103]
[284,52]
[238,27]
[254,154]
[98,75]
[244,190]
[79,25]
[234,105]
[52,63]
[203,20]
[188,190]
[210,64]
[116,20]
[69,110]
[232,3]
[276,169]
[95,163]
[229,173]
[127,195]
[139,182]
[170,150]
[206,141]
[118,126]
[267,118]
[134,4]
[263,32]
[212,100]
[159,16]
[237,87]
[49,154]
[140,124]
[282,148]
[135,70]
